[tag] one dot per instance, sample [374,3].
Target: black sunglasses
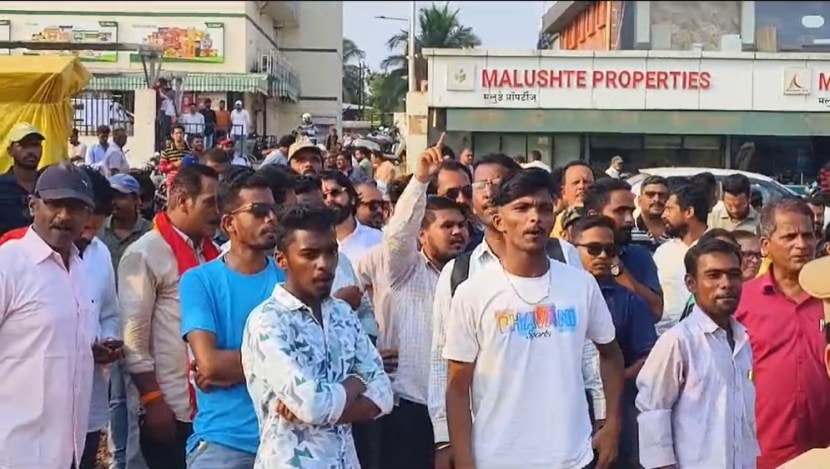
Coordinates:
[257,209]
[454,192]
[595,249]
[373,205]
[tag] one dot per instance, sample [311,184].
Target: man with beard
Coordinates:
[685,217]
[649,230]
[817,205]
[633,267]
[370,205]
[25,147]
[735,213]
[45,341]
[149,296]
[355,238]
[311,370]
[305,158]
[216,300]
[696,396]
[452,180]
[440,226]
[788,343]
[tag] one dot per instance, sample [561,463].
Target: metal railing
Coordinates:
[93,109]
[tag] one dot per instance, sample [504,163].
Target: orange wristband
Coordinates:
[150,397]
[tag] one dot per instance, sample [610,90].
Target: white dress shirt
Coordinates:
[193,123]
[360,241]
[104,324]
[480,258]
[672,273]
[696,398]
[240,120]
[115,159]
[45,356]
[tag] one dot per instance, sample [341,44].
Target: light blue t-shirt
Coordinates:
[217,299]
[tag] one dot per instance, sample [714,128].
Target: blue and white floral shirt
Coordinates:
[288,357]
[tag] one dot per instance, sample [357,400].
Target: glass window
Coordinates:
[790,160]
[543,144]
[485,143]
[514,145]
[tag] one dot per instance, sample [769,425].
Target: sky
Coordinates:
[500,25]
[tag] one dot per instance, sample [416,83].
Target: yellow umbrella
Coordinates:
[37,90]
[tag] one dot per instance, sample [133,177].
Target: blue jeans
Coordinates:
[214,456]
[118,419]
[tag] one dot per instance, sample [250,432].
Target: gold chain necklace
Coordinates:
[516,291]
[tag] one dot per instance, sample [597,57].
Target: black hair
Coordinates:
[598,194]
[591,221]
[188,180]
[301,217]
[101,191]
[286,141]
[499,159]
[743,234]
[694,196]
[280,181]
[176,126]
[218,156]
[102,129]
[736,184]
[708,183]
[395,188]
[233,182]
[145,183]
[306,184]
[570,165]
[718,233]
[789,204]
[708,247]
[446,165]
[436,203]
[520,184]
[535,155]
[654,179]
[342,180]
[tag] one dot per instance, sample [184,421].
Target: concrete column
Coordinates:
[642,25]
[141,144]
[416,127]
[748,26]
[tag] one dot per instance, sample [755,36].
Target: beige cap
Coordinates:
[303,145]
[815,280]
[617,159]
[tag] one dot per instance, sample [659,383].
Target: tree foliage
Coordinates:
[353,82]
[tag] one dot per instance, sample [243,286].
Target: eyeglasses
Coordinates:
[595,249]
[454,192]
[257,209]
[488,184]
[751,254]
[373,205]
[334,192]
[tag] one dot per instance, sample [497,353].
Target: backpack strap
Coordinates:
[460,271]
[554,250]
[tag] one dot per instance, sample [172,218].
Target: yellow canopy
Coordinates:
[36,89]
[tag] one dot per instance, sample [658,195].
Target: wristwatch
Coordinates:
[616,270]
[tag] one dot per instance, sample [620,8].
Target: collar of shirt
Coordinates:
[196,248]
[723,214]
[702,321]
[40,251]
[429,263]
[768,287]
[482,251]
[291,303]
[140,226]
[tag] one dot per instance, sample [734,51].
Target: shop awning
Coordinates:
[201,82]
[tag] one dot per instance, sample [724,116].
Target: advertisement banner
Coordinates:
[78,32]
[187,41]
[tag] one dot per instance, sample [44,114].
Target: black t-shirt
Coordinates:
[210,120]
[14,204]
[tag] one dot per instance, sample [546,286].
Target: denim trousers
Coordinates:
[215,456]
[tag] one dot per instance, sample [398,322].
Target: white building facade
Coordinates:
[281,59]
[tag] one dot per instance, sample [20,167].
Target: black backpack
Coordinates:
[461,268]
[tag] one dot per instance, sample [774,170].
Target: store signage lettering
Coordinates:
[823,82]
[613,79]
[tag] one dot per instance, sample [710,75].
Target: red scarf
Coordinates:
[184,254]
[186,259]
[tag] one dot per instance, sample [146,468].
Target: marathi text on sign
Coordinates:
[622,79]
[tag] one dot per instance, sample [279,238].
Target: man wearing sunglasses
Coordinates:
[594,236]
[453,180]
[216,298]
[370,205]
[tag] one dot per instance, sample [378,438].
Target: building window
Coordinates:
[790,160]
[792,26]
[648,151]
[93,109]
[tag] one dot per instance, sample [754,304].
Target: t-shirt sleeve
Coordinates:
[461,342]
[600,325]
[197,310]
[641,334]
[646,269]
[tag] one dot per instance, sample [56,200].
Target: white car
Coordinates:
[769,188]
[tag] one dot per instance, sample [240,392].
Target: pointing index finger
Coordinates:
[440,144]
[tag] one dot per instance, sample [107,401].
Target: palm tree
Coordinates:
[352,76]
[439,28]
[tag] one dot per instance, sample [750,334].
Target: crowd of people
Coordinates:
[323,311]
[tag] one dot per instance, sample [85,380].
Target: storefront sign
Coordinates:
[77,32]
[630,80]
[183,40]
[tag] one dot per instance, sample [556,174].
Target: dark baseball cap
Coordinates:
[63,181]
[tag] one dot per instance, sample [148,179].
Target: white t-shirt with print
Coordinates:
[528,397]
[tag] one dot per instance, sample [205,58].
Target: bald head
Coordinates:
[369,205]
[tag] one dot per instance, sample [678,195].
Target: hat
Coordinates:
[22,130]
[813,279]
[302,145]
[571,215]
[125,184]
[616,159]
[64,181]
[237,103]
